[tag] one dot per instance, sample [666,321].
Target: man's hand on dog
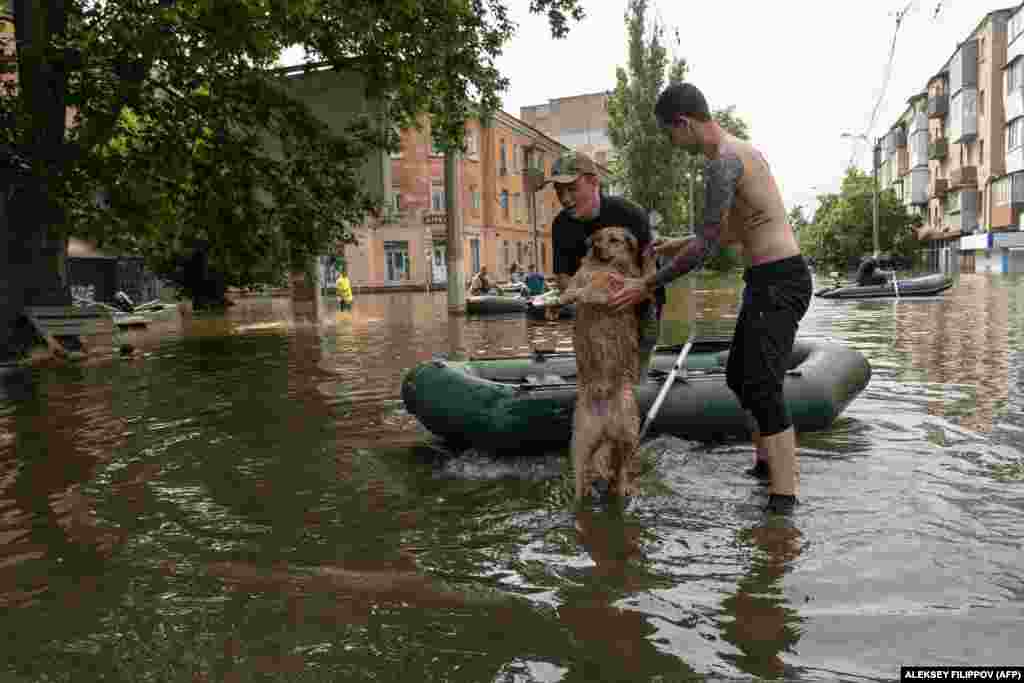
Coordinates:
[669,246]
[626,291]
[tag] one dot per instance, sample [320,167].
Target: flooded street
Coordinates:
[246,499]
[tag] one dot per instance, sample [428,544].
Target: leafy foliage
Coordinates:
[841,232]
[189,134]
[652,172]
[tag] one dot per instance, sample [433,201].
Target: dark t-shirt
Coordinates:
[568,234]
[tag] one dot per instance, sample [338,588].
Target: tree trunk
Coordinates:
[32,262]
[33,251]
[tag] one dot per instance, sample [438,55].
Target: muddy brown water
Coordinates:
[246,499]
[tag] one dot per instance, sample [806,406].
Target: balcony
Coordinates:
[937,149]
[967,220]
[939,188]
[915,187]
[938,106]
[963,177]
[963,68]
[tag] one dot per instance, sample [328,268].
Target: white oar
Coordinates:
[678,368]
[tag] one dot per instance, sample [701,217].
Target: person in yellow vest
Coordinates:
[344,288]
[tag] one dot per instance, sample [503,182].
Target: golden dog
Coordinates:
[606,423]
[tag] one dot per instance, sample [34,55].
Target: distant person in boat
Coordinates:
[867,273]
[534,281]
[514,274]
[585,211]
[344,290]
[480,284]
[742,205]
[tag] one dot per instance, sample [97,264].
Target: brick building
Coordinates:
[503,221]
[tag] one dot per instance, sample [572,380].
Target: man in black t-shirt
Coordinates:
[585,211]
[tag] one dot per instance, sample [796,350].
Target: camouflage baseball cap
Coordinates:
[571,166]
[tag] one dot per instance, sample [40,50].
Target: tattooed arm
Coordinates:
[722,176]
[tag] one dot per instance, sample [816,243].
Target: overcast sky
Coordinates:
[801,72]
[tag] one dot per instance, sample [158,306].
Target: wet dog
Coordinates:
[606,423]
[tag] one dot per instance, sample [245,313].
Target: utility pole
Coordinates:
[874,185]
[453,221]
[874,197]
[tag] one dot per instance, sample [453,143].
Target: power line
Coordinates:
[900,15]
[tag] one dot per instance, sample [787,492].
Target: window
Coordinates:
[1001,191]
[474,198]
[504,254]
[543,256]
[1013,134]
[515,158]
[981,152]
[472,148]
[517,205]
[396,261]
[437,196]
[981,103]
[502,162]
[396,198]
[504,203]
[1015,76]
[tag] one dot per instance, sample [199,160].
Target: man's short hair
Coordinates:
[681,99]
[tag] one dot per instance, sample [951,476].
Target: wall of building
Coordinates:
[579,122]
[415,223]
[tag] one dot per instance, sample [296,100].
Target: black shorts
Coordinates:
[775,298]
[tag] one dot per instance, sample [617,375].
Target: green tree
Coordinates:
[651,172]
[654,174]
[797,220]
[841,233]
[175,101]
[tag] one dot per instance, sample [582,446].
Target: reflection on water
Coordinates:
[245,498]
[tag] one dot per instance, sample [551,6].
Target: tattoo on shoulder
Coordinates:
[721,178]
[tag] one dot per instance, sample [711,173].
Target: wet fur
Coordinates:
[606,423]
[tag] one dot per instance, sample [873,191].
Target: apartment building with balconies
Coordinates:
[1005,247]
[958,122]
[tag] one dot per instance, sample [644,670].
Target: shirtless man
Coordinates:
[742,205]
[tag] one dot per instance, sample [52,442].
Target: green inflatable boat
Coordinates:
[511,404]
